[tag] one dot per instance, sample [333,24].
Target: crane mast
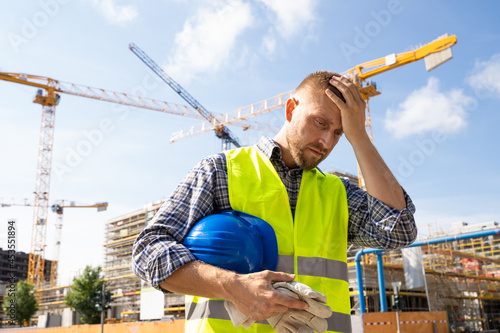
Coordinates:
[221,131]
[41,200]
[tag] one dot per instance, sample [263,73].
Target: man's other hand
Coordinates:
[254,295]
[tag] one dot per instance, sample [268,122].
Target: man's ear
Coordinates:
[291,104]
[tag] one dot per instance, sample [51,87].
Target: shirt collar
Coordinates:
[271,149]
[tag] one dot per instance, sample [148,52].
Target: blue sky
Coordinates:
[436,130]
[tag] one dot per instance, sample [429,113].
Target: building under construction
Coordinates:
[128,290]
[461,277]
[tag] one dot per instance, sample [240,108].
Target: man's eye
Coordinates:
[320,123]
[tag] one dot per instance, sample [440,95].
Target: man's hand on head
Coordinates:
[352,110]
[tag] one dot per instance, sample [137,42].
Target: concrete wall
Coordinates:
[68,317]
[54,320]
[42,321]
[49,320]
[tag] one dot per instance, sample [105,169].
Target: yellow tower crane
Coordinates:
[48,95]
[434,53]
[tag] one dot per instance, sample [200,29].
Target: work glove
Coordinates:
[297,321]
[301,321]
[305,293]
[237,317]
[292,321]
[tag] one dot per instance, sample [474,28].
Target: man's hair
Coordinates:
[318,82]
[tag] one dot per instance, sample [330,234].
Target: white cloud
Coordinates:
[208,39]
[116,14]
[269,43]
[485,77]
[292,16]
[428,109]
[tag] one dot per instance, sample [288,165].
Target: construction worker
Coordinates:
[314,215]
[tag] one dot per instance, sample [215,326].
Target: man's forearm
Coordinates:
[199,279]
[379,180]
[252,293]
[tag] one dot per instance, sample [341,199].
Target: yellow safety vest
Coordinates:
[313,245]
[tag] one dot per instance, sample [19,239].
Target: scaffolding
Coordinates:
[120,234]
[125,286]
[462,277]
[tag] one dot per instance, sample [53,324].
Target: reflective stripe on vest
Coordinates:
[214,309]
[312,245]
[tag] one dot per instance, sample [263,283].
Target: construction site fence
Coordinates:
[174,326]
[409,322]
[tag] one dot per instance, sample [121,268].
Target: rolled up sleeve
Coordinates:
[372,223]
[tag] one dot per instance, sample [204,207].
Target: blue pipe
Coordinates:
[380,269]
[381,282]
[359,277]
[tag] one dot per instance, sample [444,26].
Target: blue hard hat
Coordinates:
[234,241]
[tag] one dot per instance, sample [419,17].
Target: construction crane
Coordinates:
[48,95]
[221,131]
[435,53]
[58,208]
[242,114]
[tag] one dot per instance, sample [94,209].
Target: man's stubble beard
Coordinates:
[297,150]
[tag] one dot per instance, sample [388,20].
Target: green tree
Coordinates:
[81,298]
[20,304]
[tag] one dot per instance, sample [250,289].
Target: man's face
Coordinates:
[314,130]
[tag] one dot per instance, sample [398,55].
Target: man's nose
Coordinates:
[327,140]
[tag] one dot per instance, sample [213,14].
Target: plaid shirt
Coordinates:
[158,250]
